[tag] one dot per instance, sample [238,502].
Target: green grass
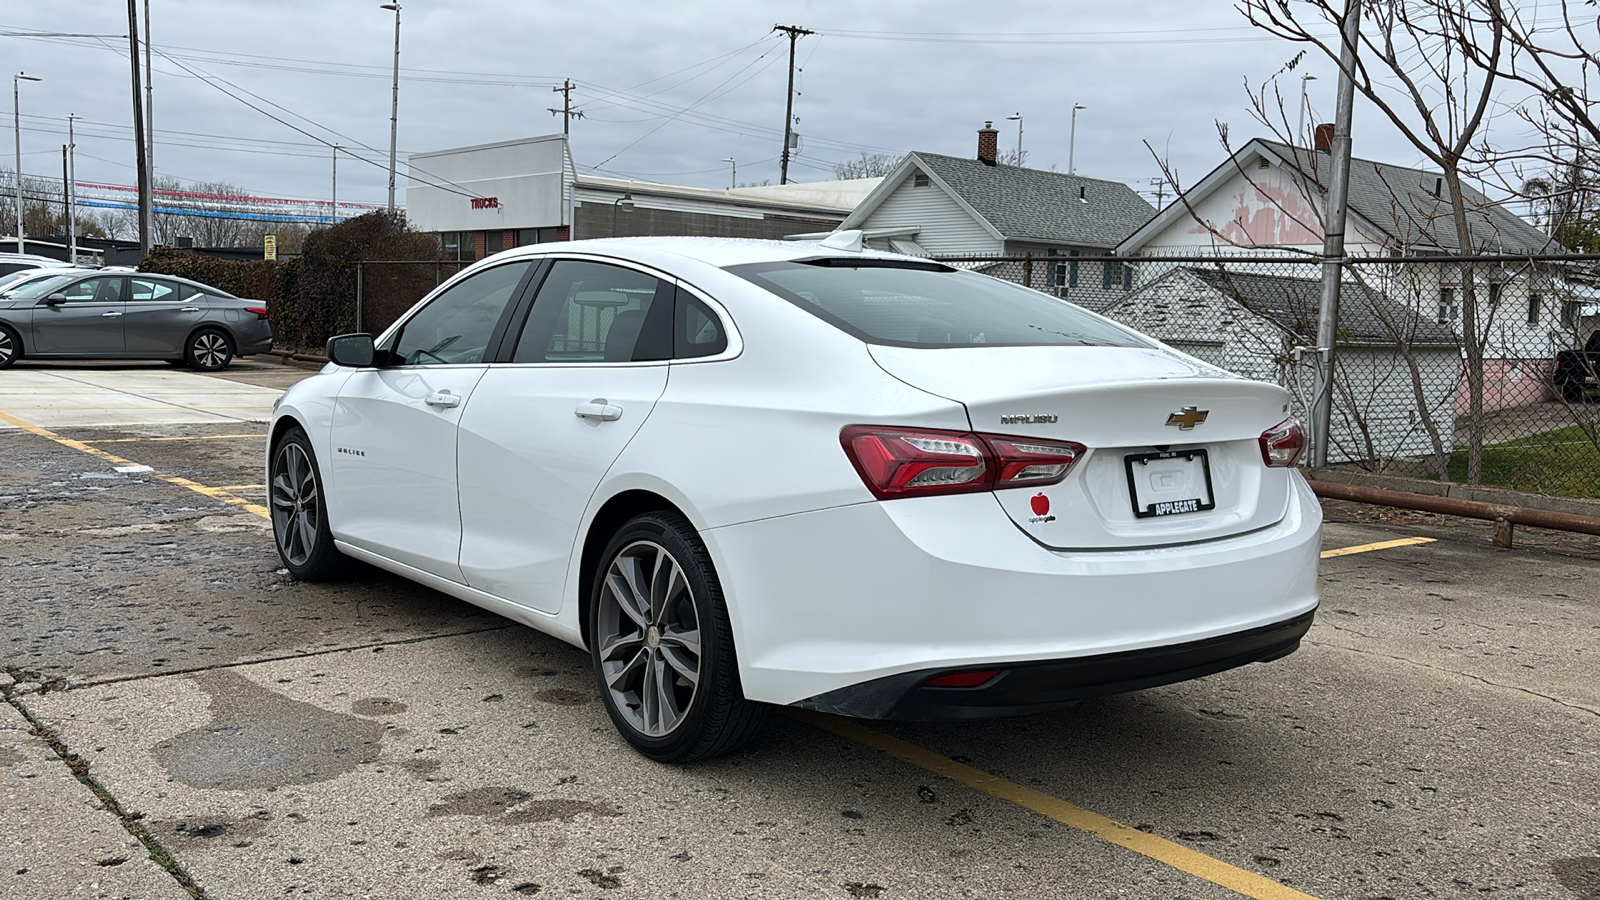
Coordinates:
[1562,463]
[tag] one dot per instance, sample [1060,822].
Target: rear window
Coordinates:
[932,306]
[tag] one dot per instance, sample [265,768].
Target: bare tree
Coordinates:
[869,165]
[1431,67]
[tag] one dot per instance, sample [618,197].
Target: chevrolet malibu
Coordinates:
[747,473]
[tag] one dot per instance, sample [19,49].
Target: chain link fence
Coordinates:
[1517,406]
[386,289]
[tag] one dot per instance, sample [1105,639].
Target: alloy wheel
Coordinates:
[649,638]
[296,505]
[8,348]
[211,350]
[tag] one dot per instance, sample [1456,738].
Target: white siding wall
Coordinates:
[945,228]
[1374,414]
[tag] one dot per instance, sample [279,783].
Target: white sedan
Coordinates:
[745,473]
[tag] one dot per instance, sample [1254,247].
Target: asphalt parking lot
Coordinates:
[183,719]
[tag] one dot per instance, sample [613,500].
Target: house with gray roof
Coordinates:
[947,206]
[1267,200]
[1251,323]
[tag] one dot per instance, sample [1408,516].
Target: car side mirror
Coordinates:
[353,350]
[55,299]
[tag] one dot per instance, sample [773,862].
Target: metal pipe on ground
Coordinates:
[1503,516]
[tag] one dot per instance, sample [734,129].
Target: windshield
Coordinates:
[35,288]
[929,305]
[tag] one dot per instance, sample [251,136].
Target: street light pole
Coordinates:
[394,102]
[626,201]
[1018,119]
[1072,140]
[333,204]
[16,124]
[1301,128]
[72,193]
[733,177]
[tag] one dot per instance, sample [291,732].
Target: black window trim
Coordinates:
[508,336]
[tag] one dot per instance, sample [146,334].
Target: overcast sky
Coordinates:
[885,77]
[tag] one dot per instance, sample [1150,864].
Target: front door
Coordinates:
[83,319]
[393,465]
[542,430]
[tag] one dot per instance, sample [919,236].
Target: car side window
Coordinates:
[143,290]
[455,327]
[106,289]
[697,332]
[595,312]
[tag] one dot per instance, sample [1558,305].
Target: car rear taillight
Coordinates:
[899,462]
[1282,444]
[903,462]
[260,311]
[1029,462]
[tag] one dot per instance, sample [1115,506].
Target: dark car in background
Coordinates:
[100,314]
[1576,370]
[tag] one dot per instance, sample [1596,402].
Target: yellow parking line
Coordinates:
[1160,849]
[1381,545]
[214,493]
[242,487]
[196,437]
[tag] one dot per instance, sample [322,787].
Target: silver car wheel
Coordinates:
[8,348]
[296,505]
[211,350]
[649,638]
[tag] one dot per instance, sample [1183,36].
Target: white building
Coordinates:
[1268,198]
[485,198]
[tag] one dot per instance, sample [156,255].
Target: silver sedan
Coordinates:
[105,315]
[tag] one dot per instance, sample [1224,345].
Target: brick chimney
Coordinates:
[988,144]
[1324,138]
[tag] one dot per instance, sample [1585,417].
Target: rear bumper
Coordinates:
[891,593]
[1053,684]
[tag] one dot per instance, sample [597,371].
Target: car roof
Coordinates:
[719,252]
[43,262]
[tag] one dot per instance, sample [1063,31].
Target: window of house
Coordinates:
[1571,311]
[1108,273]
[1447,305]
[450,242]
[1127,277]
[1072,270]
[493,242]
[1535,301]
[920,179]
[1495,289]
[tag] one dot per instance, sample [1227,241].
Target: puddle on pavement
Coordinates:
[517,807]
[258,738]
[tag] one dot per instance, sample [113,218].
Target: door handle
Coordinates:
[190,309]
[442,399]
[598,410]
[110,315]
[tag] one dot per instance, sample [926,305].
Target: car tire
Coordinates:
[209,350]
[662,647]
[10,347]
[1571,391]
[299,514]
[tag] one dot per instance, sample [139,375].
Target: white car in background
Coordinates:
[745,473]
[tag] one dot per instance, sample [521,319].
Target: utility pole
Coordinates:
[16,131]
[1161,190]
[149,97]
[566,112]
[140,159]
[394,102]
[1333,239]
[333,204]
[72,192]
[795,32]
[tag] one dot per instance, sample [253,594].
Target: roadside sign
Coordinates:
[269,246]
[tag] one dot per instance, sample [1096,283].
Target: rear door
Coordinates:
[87,321]
[392,472]
[159,314]
[540,431]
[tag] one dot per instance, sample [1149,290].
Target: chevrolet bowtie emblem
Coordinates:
[1187,418]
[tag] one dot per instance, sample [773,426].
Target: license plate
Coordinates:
[1169,483]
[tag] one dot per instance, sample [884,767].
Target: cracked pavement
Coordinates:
[182,719]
